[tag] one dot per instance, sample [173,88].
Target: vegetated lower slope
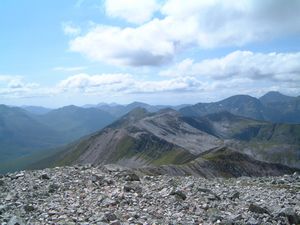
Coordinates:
[273,107]
[181,144]
[272,142]
[222,162]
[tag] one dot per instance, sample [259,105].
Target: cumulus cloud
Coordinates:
[16,87]
[70,29]
[177,89]
[125,83]
[201,24]
[133,11]
[130,46]
[256,66]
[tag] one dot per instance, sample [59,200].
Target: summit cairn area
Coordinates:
[116,195]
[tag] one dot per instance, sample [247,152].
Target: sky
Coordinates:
[56,53]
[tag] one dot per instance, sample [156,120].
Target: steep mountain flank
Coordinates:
[219,144]
[277,143]
[140,139]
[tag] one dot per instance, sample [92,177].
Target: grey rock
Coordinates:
[29,208]
[132,177]
[2,183]
[252,221]
[204,190]
[15,220]
[213,197]
[2,209]
[235,195]
[258,209]
[115,223]
[132,187]
[179,194]
[227,222]
[53,188]
[75,199]
[214,214]
[291,215]
[44,176]
[109,217]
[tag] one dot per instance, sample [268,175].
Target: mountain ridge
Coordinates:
[166,139]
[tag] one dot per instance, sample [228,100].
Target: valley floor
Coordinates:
[110,195]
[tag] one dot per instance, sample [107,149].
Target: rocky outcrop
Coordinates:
[117,195]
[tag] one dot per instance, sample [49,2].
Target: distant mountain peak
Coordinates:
[137,104]
[275,96]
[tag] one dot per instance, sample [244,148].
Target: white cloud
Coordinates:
[178,89]
[133,11]
[130,46]
[256,66]
[86,83]
[70,29]
[201,24]
[15,87]
[125,83]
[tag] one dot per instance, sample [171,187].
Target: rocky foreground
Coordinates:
[111,195]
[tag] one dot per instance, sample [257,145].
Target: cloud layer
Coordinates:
[238,72]
[133,11]
[184,24]
[280,67]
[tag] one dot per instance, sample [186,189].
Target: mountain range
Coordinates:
[220,144]
[273,107]
[180,139]
[23,133]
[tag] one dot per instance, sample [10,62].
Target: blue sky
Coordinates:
[56,53]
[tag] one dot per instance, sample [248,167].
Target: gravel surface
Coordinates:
[113,195]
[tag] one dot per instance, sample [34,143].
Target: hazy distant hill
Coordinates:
[23,133]
[118,110]
[275,96]
[75,121]
[281,108]
[38,110]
